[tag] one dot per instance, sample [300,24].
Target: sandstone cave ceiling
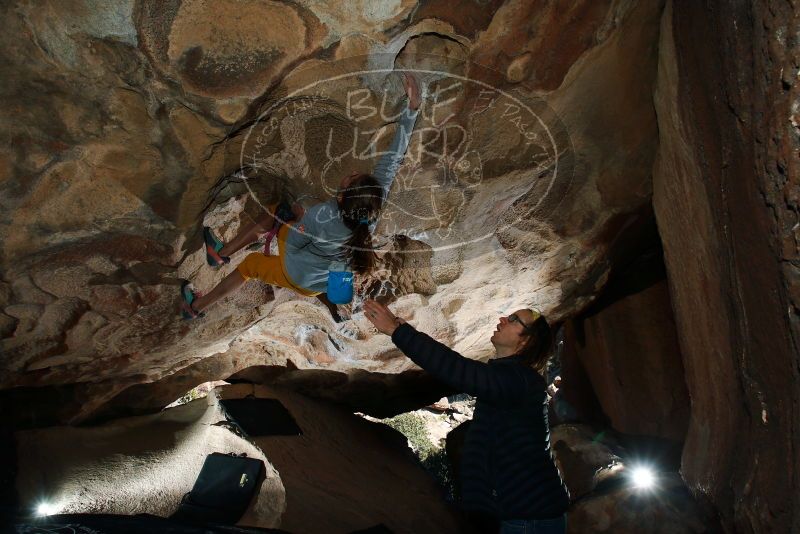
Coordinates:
[532,156]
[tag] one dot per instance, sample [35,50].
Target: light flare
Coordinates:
[643,477]
[45,508]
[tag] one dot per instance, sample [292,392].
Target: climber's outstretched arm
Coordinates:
[389,163]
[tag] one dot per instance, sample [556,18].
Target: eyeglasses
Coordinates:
[514,318]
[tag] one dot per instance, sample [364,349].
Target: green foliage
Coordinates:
[413,428]
[432,457]
[193,394]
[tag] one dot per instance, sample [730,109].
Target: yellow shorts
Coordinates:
[270,269]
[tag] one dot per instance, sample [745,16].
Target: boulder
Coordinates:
[137,465]
[722,192]
[626,345]
[669,508]
[346,474]
[162,117]
[585,457]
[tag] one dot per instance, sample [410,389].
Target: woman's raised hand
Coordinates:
[382,317]
[411,85]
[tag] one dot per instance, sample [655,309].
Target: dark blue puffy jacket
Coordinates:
[507,468]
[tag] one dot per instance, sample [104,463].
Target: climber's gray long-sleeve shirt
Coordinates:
[311,252]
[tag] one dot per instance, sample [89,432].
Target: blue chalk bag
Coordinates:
[340,285]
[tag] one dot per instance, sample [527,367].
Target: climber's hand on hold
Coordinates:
[382,317]
[411,85]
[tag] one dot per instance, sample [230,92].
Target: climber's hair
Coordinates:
[360,206]
[538,348]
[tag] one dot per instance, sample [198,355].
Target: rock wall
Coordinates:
[141,465]
[626,345]
[346,474]
[725,195]
[130,125]
[324,479]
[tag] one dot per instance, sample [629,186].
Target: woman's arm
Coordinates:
[501,383]
[390,162]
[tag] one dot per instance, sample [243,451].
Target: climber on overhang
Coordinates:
[508,475]
[335,232]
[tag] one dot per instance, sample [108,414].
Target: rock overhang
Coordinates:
[480,221]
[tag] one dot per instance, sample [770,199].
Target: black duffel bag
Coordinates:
[223,490]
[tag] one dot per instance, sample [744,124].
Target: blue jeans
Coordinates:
[534,526]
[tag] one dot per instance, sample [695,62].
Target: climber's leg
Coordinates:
[249,233]
[256,265]
[229,284]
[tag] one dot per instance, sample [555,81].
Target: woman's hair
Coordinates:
[536,350]
[360,205]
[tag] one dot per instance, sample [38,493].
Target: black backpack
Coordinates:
[223,490]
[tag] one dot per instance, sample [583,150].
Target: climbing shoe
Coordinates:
[187,297]
[213,246]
